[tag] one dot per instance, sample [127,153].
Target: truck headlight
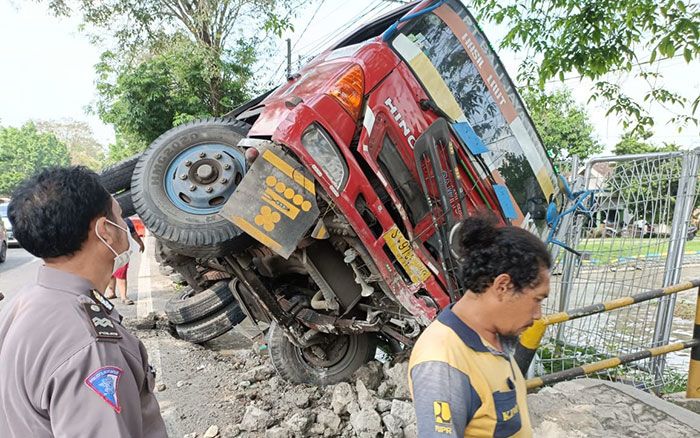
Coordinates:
[325,153]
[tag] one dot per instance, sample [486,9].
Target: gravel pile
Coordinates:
[377,403]
[237,393]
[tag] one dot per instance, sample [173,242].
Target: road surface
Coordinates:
[19,269]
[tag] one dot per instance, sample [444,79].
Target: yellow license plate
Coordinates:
[402,250]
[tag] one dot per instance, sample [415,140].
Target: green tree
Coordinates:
[216,27]
[593,38]
[562,123]
[169,86]
[24,151]
[123,148]
[632,143]
[172,61]
[79,138]
[644,182]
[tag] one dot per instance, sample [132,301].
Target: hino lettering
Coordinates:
[400,120]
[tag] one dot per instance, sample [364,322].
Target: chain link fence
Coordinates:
[634,241]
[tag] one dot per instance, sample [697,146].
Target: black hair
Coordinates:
[487,250]
[51,211]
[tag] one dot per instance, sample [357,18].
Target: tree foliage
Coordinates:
[210,23]
[173,60]
[562,123]
[24,151]
[79,139]
[168,87]
[217,27]
[631,143]
[594,38]
[647,183]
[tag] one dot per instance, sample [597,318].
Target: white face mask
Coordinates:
[120,259]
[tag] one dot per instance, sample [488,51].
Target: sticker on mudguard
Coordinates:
[275,203]
[401,248]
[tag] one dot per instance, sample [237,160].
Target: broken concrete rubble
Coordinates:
[366,423]
[367,407]
[254,419]
[344,399]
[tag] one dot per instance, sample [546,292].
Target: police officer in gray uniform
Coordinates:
[67,366]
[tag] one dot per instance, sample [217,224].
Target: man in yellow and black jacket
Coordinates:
[463,378]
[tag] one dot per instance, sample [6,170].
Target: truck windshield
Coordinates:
[460,72]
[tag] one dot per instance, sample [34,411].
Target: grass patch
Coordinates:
[557,357]
[674,381]
[607,251]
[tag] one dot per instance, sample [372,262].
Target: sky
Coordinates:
[47,67]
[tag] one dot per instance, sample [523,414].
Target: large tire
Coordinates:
[181,264]
[126,202]
[117,177]
[212,326]
[187,221]
[190,306]
[289,360]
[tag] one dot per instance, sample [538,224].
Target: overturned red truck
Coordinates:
[328,202]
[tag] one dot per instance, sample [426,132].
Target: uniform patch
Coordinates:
[102,300]
[102,325]
[443,417]
[105,382]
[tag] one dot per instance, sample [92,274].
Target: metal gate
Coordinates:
[633,241]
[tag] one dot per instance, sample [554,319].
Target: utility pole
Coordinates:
[289,57]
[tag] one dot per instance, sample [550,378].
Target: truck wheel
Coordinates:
[212,326]
[343,356]
[181,264]
[189,306]
[183,180]
[126,202]
[117,177]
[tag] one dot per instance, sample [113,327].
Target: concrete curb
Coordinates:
[680,414]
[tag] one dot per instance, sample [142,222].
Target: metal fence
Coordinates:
[634,242]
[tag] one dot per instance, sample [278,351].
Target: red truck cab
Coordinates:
[350,178]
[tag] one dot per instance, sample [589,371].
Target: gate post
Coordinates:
[681,213]
[571,237]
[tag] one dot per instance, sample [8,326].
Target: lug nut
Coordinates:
[188,163]
[202,155]
[209,189]
[227,166]
[193,188]
[217,156]
[224,180]
[183,176]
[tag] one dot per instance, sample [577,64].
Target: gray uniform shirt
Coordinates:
[59,379]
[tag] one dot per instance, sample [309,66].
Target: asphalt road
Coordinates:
[19,269]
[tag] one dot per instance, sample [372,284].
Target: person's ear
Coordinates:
[503,286]
[103,230]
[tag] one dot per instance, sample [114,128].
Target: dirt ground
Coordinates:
[228,388]
[236,393]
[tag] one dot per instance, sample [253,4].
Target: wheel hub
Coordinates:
[202,178]
[205,173]
[327,354]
